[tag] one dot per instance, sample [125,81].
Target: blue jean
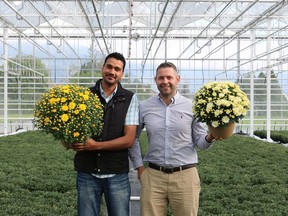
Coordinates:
[116,191]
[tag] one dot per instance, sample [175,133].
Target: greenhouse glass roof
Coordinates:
[222,38]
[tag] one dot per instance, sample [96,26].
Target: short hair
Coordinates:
[167,65]
[117,56]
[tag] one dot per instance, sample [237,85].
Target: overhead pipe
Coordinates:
[265,55]
[269,35]
[154,36]
[30,24]
[230,39]
[90,26]
[258,57]
[100,27]
[44,17]
[260,40]
[168,26]
[226,27]
[206,27]
[246,28]
[10,26]
[283,61]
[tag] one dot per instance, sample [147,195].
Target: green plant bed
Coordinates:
[277,136]
[239,176]
[36,176]
[243,176]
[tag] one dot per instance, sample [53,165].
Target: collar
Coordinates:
[174,99]
[107,99]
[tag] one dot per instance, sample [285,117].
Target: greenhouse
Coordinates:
[44,43]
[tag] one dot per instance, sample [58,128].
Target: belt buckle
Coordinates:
[167,170]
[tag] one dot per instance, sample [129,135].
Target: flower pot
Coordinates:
[222,132]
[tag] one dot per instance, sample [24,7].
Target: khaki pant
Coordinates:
[181,189]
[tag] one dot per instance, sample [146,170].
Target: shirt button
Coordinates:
[98,170]
[99,154]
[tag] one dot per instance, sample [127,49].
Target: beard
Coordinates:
[166,90]
[110,79]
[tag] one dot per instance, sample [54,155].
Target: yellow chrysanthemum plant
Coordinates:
[71,113]
[219,104]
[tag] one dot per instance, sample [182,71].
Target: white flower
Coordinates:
[225,119]
[217,113]
[209,107]
[218,103]
[215,124]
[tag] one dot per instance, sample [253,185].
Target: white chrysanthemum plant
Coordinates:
[220,104]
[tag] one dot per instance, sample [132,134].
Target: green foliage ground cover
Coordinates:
[277,136]
[36,176]
[239,176]
[242,176]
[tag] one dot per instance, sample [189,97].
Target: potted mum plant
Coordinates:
[220,105]
[70,113]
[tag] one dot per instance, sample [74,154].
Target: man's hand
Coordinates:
[89,145]
[210,138]
[140,170]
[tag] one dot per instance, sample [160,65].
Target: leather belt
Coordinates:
[170,169]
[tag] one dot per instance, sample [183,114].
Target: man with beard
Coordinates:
[171,176]
[102,161]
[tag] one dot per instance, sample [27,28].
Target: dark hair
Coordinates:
[117,56]
[167,65]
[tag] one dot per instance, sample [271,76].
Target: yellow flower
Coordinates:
[76,112]
[66,89]
[76,134]
[82,107]
[52,101]
[67,112]
[64,108]
[64,117]
[86,97]
[72,105]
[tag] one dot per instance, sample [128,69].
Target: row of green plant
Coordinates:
[239,176]
[277,136]
[244,176]
[36,176]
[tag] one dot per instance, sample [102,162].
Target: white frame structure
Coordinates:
[243,41]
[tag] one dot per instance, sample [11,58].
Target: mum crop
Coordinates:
[218,103]
[70,113]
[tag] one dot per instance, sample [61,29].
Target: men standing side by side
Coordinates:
[171,176]
[102,162]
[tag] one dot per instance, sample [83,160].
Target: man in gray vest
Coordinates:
[102,162]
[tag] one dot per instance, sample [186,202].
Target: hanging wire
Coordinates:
[130,36]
